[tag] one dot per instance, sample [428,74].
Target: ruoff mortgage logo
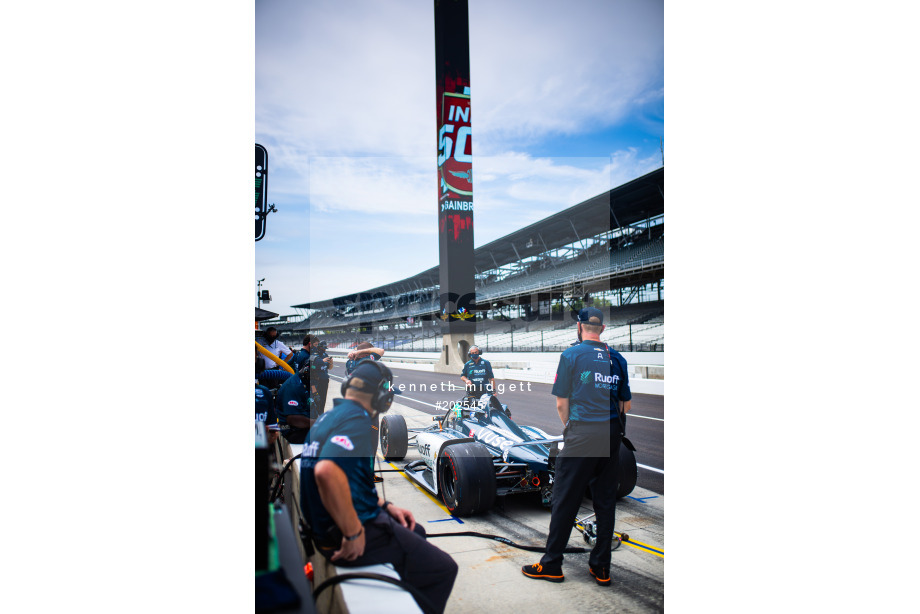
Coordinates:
[586,376]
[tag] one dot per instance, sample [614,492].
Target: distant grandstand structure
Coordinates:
[607,251]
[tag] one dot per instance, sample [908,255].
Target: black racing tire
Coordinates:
[394,437]
[466,478]
[627,472]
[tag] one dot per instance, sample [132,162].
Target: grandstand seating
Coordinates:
[581,268]
[637,325]
[573,256]
[578,269]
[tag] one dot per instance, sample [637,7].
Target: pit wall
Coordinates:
[646,369]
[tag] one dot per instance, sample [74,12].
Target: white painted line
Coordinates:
[661,471]
[646,417]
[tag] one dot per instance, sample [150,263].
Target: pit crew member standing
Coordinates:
[320,363]
[592,396]
[476,372]
[362,350]
[302,356]
[349,522]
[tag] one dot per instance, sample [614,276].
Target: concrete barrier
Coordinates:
[646,369]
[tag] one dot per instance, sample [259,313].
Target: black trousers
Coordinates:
[588,458]
[322,387]
[419,563]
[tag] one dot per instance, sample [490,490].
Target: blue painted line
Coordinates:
[649,548]
[447,520]
[641,499]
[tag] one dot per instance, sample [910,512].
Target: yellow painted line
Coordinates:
[422,490]
[643,547]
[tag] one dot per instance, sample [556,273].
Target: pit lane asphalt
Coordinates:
[490,579]
[533,404]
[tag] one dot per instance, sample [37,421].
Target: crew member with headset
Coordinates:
[320,363]
[592,398]
[350,523]
[476,371]
[366,351]
[295,407]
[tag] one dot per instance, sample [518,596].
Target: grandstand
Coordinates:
[607,251]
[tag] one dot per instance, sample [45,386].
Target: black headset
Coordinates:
[382,395]
[471,355]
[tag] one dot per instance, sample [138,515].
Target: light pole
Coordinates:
[259,293]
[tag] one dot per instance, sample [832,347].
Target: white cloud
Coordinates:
[372,185]
[349,278]
[348,77]
[559,68]
[357,77]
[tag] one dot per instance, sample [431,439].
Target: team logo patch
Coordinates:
[585,376]
[344,441]
[259,393]
[294,403]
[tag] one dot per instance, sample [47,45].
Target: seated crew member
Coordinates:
[366,351]
[265,411]
[362,350]
[295,408]
[350,523]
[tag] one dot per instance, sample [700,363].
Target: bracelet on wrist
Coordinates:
[385,505]
[351,538]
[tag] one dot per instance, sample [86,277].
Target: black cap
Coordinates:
[591,315]
[371,375]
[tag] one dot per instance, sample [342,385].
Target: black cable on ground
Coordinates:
[420,599]
[506,541]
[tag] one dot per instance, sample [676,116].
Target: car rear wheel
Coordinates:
[394,437]
[627,472]
[466,479]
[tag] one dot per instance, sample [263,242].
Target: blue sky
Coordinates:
[567,101]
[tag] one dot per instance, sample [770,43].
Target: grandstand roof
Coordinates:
[634,201]
[264,314]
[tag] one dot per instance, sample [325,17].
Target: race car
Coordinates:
[476,453]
